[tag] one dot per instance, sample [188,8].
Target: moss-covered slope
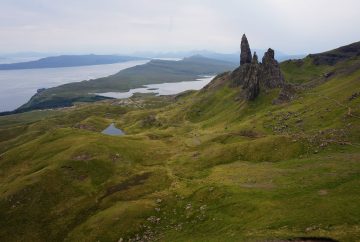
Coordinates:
[203,166]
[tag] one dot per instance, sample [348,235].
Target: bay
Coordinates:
[162,89]
[18,86]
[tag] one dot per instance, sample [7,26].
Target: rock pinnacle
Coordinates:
[245,56]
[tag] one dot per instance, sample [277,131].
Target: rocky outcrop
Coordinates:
[254,76]
[245,55]
[251,79]
[271,75]
[335,56]
[287,93]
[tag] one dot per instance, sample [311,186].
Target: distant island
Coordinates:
[69,61]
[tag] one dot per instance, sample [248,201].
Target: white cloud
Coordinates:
[293,26]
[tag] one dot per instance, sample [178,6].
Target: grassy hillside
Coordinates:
[156,71]
[202,166]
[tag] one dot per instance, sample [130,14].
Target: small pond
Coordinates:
[112,130]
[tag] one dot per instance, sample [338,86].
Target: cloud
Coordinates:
[119,26]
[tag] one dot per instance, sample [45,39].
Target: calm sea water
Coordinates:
[18,86]
[162,89]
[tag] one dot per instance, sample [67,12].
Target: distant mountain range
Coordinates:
[68,61]
[9,58]
[231,57]
[37,61]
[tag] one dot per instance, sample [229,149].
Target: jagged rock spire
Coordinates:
[269,55]
[254,76]
[255,58]
[271,75]
[245,55]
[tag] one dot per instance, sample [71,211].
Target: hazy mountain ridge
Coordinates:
[231,57]
[95,59]
[340,54]
[68,61]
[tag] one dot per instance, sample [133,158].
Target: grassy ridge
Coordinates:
[202,167]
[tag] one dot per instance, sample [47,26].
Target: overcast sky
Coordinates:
[125,26]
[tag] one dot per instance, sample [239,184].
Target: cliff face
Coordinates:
[253,76]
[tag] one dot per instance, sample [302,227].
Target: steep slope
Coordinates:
[201,166]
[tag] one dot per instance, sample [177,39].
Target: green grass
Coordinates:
[206,166]
[302,71]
